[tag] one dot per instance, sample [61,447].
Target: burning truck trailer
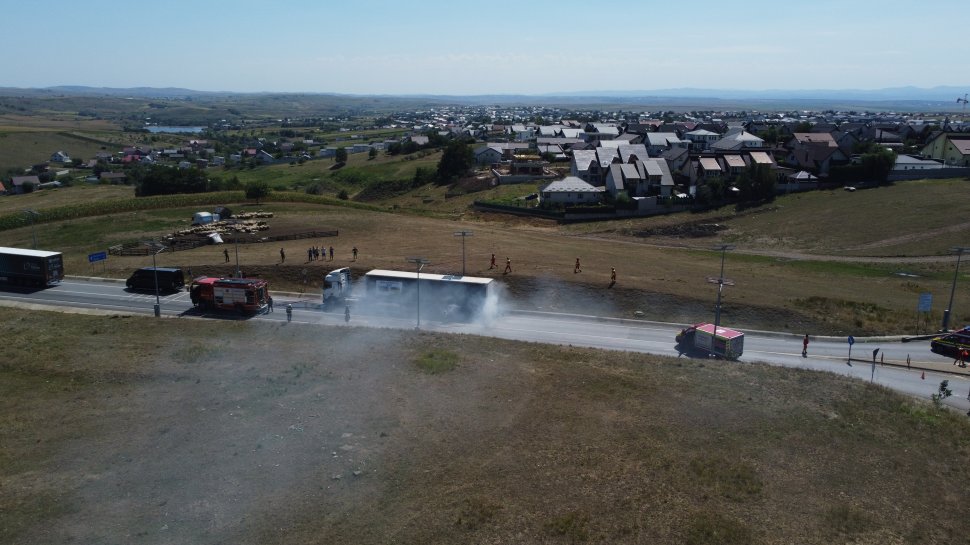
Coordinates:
[452,298]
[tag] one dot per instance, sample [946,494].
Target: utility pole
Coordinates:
[33,234]
[419,262]
[156,249]
[235,238]
[721,282]
[949,308]
[463,235]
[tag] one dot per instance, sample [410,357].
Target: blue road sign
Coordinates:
[100,256]
[851,340]
[925,302]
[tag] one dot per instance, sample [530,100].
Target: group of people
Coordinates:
[314,254]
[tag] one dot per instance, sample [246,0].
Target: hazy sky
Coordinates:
[484,47]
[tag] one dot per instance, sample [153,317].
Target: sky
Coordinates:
[457,47]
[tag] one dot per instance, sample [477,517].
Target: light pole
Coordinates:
[235,238]
[33,234]
[463,235]
[420,262]
[156,249]
[721,281]
[949,307]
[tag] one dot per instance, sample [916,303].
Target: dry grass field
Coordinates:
[136,430]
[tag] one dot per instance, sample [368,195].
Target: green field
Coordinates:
[200,431]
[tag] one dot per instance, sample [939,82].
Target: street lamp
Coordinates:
[721,282]
[949,308]
[463,234]
[420,262]
[235,238]
[33,234]
[156,249]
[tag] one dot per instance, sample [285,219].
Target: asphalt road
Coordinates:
[825,354]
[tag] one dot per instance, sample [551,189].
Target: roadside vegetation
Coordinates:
[199,432]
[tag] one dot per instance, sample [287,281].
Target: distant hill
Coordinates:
[935,99]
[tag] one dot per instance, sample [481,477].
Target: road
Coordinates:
[825,354]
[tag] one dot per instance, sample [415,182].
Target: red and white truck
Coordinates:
[705,339]
[243,295]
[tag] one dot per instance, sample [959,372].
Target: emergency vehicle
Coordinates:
[243,295]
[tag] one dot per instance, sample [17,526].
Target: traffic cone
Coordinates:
[923,376]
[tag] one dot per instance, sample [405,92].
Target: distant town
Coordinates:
[583,163]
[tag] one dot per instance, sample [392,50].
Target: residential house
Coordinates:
[570,191]
[17,183]
[112,177]
[327,153]
[815,152]
[60,157]
[738,139]
[953,149]
[676,158]
[592,165]
[419,140]
[796,182]
[732,165]
[911,162]
[643,178]
[218,161]
[658,142]
[264,158]
[488,155]
[704,169]
[701,139]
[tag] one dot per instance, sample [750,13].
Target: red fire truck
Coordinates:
[243,295]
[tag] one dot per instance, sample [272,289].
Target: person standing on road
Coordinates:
[805,346]
[612,275]
[491,264]
[269,301]
[282,256]
[331,253]
[289,312]
[508,265]
[225,252]
[354,251]
[577,269]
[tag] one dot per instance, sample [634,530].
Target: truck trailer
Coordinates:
[37,268]
[704,339]
[243,295]
[443,296]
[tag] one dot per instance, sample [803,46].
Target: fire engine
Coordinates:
[243,295]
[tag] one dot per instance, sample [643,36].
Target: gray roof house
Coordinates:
[645,178]
[570,190]
[738,140]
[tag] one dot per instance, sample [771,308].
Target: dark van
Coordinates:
[168,279]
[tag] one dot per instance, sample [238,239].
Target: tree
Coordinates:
[257,191]
[757,183]
[372,153]
[943,393]
[878,164]
[456,160]
[341,155]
